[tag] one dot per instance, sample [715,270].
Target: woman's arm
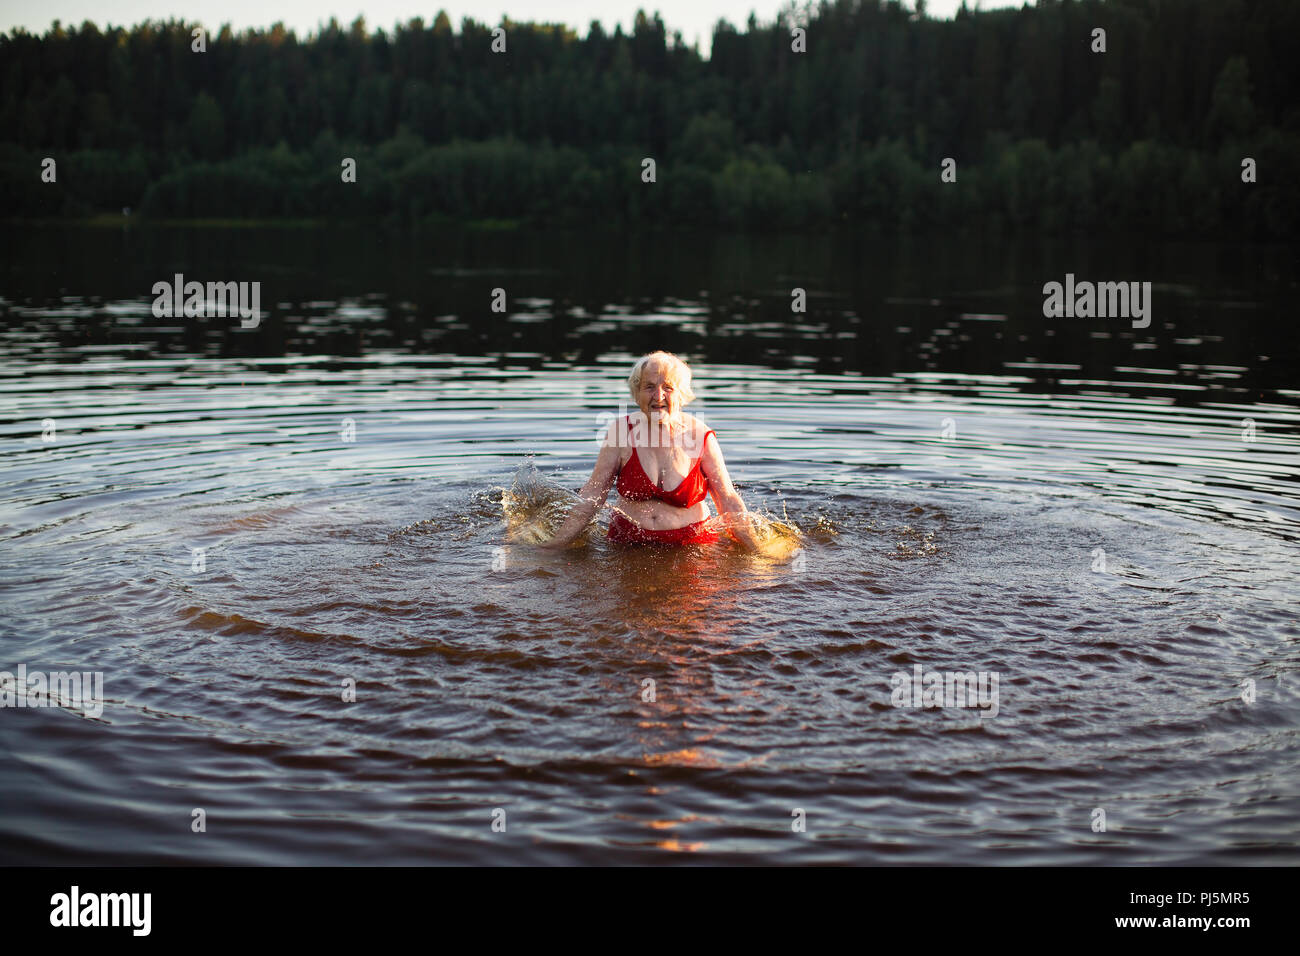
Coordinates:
[593,494]
[725,496]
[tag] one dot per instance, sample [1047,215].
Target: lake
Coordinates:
[285,551]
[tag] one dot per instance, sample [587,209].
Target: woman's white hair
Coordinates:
[679,373]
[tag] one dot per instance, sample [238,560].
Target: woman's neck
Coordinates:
[661,432]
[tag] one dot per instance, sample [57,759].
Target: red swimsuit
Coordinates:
[635,485]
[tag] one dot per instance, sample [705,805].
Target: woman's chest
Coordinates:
[664,467]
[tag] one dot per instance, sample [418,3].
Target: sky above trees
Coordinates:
[693,18]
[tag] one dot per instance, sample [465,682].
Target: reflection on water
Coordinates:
[1220,329]
[1112,533]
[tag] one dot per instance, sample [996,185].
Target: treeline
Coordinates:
[1047,134]
[1146,187]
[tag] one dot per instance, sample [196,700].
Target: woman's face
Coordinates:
[657,395]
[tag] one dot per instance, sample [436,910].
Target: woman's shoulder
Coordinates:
[695,426]
[695,434]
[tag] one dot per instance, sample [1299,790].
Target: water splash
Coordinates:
[535,507]
[777,538]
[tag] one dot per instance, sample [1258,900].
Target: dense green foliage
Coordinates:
[1048,136]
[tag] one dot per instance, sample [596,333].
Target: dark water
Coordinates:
[1103,517]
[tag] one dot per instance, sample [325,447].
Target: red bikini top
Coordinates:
[635,485]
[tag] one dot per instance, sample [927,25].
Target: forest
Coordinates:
[861,112]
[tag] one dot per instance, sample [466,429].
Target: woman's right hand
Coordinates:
[592,495]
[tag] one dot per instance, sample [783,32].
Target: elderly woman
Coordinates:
[665,462]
